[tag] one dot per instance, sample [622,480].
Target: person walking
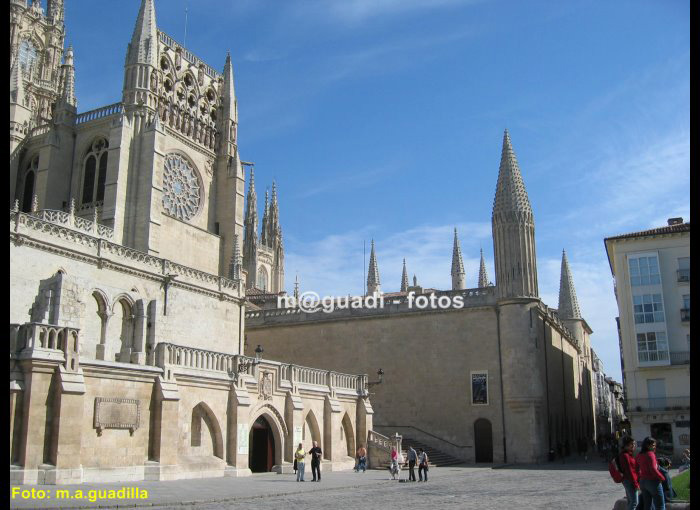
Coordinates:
[299,456]
[667,485]
[361,459]
[316,462]
[628,466]
[422,465]
[412,456]
[650,478]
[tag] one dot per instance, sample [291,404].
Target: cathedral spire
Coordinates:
[483,276]
[373,285]
[236,262]
[68,91]
[568,303]
[16,84]
[55,10]
[458,274]
[144,40]
[513,226]
[404,278]
[250,240]
[264,238]
[230,105]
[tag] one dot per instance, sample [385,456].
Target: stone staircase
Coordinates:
[436,458]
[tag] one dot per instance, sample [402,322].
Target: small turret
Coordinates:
[404,278]
[483,275]
[568,303]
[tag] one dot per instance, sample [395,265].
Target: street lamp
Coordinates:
[245,365]
[380,373]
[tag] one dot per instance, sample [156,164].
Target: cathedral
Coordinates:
[501,378]
[131,261]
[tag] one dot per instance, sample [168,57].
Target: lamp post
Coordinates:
[245,365]
[380,373]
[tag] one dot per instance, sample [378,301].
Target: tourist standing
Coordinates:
[628,466]
[422,465]
[412,458]
[394,467]
[361,459]
[650,478]
[299,456]
[316,462]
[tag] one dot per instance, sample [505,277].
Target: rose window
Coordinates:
[181,188]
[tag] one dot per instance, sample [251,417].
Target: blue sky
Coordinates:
[384,118]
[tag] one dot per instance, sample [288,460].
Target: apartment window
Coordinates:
[685,311]
[648,308]
[684,269]
[652,346]
[644,271]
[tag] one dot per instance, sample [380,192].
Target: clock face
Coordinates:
[181,188]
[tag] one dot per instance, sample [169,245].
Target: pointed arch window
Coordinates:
[29,180]
[262,278]
[27,54]
[94,174]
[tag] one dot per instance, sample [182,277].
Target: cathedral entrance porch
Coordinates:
[262,447]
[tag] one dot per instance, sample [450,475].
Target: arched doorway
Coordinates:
[483,441]
[262,446]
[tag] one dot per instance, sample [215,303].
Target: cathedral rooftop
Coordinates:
[188,55]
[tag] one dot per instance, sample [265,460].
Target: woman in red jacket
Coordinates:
[628,466]
[650,477]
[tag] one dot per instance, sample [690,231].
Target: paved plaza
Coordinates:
[556,486]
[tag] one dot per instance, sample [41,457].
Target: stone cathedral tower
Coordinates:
[513,226]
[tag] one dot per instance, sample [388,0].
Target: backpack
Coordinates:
[615,471]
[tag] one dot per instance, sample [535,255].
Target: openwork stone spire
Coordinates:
[236,261]
[143,47]
[513,227]
[404,278]
[568,303]
[68,93]
[483,275]
[458,274]
[373,285]
[250,240]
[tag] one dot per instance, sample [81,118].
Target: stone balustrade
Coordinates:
[46,341]
[92,240]
[98,113]
[171,356]
[187,55]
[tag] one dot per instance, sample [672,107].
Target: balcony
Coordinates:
[680,358]
[683,275]
[685,314]
[658,404]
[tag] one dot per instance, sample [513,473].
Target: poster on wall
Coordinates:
[243,438]
[298,434]
[480,390]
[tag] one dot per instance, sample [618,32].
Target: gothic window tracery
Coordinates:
[262,278]
[27,54]
[181,188]
[95,174]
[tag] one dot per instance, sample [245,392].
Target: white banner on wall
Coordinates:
[243,438]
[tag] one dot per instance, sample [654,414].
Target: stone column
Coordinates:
[331,425]
[237,447]
[68,421]
[164,448]
[363,420]
[138,354]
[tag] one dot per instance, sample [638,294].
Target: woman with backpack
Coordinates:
[650,478]
[628,466]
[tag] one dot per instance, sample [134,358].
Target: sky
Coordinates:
[383,119]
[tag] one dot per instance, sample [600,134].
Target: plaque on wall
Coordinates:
[116,413]
[480,389]
[242,438]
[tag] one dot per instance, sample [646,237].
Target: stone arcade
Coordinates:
[128,282]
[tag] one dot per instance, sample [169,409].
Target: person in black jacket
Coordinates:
[316,462]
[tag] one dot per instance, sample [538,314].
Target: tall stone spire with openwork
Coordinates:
[250,240]
[568,303]
[373,285]
[404,278]
[513,226]
[483,275]
[459,277]
[142,58]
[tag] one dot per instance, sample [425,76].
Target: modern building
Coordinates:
[127,282]
[484,374]
[652,286]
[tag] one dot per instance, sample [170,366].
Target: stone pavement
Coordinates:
[555,486]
